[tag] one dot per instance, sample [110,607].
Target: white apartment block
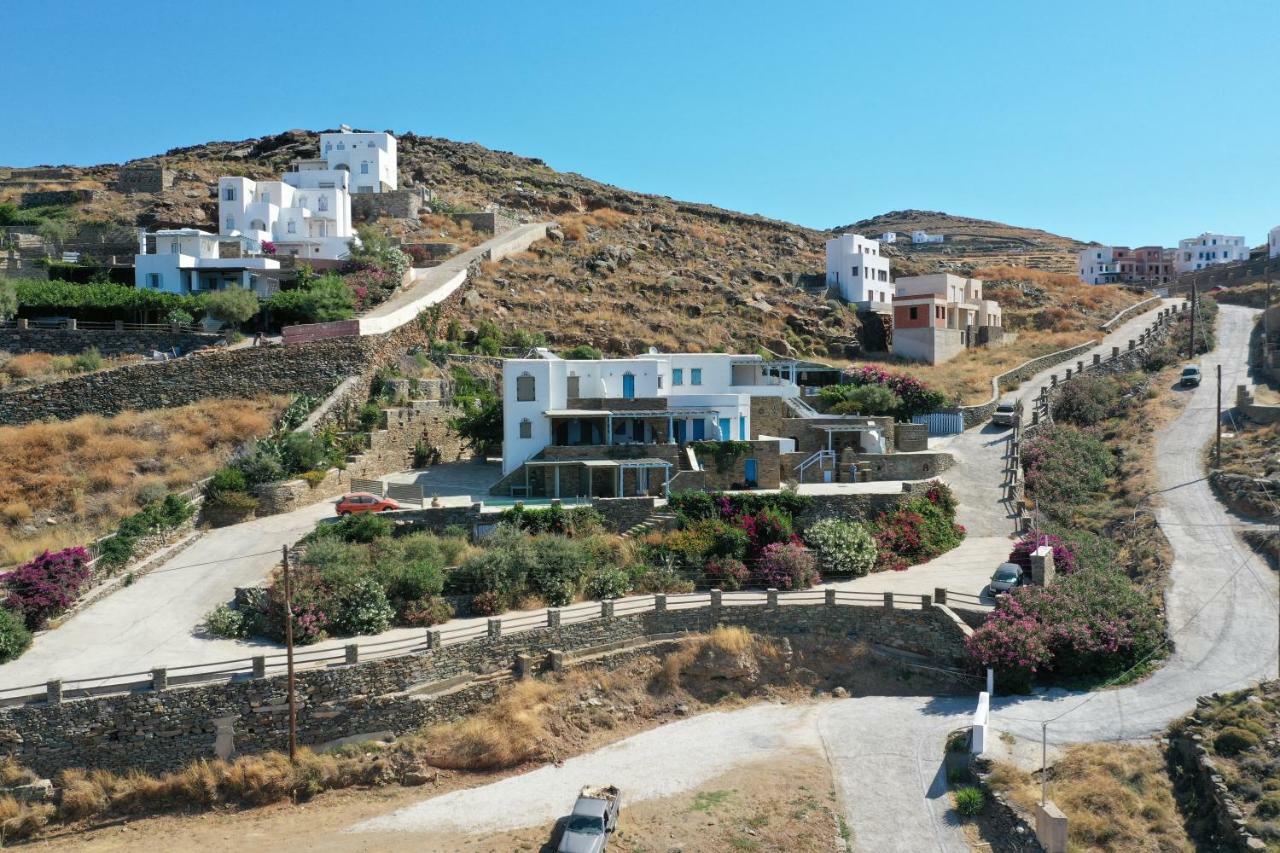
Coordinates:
[188,260]
[857,270]
[923,237]
[660,398]
[1196,253]
[370,158]
[1273,242]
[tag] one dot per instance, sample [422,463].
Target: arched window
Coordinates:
[257,225]
[324,203]
[526,428]
[525,391]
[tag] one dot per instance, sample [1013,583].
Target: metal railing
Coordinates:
[274,663]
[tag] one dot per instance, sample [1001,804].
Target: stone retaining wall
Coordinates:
[109,343]
[981,413]
[1215,803]
[858,507]
[43,198]
[162,730]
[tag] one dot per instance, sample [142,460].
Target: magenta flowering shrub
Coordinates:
[727,573]
[1064,560]
[268,248]
[47,585]
[917,397]
[786,565]
[1093,623]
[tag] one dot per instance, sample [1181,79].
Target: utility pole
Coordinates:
[288,645]
[1266,329]
[1217,446]
[1191,352]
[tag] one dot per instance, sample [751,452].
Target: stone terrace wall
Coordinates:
[107,342]
[858,507]
[163,730]
[974,415]
[308,369]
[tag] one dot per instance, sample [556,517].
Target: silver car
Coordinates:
[1007,576]
[1006,413]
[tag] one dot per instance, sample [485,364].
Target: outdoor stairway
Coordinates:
[657,521]
[801,408]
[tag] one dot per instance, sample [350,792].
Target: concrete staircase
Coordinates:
[657,521]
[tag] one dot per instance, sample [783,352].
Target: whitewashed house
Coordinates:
[889,237]
[370,158]
[1196,253]
[308,214]
[1273,242]
[188,260]
[858,272]
[923,237]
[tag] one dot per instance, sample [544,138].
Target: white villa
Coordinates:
[1196,253]
[660,398]
[857,270]
[923,237]
[1273,242]
[370,158]
[188,260]
[889,237]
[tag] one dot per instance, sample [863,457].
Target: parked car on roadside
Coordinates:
[594,817]
[1007,576]
[1006,413]
[1190,377]
[355,502]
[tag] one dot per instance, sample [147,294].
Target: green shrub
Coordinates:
[414,581]
[14,636]
[363,527]
[844,547]
[969,800]
[149,493]
[559,569]
[581,352]
[360,607]
[487,603]
[88,360]
[227,622]
[259,465]
[609,582]
[370,416]
[228,480]
[1233,740]
[234,305]
[424,612]
[1268,806]
[868,400]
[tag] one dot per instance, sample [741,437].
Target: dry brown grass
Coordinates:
[1117,797]
[510,732]
[86,473]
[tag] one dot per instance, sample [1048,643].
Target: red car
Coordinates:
[365,502]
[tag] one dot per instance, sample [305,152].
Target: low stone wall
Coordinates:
[249,372]
[981,413]
[44,198]
[858,507]
[905,466]
[109,343]
[1132,311]
[394,204]
[163,730]
[1215,803]
[1250,496]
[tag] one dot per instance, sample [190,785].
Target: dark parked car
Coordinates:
[1190,377]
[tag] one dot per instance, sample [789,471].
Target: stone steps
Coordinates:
[657,521]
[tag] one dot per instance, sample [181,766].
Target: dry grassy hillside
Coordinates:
[71,481]
[633,271]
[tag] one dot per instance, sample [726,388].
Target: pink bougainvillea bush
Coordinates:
[47,585]
[1064,559]
[1093,624]
[786,565]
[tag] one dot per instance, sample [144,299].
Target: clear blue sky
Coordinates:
[1124,122]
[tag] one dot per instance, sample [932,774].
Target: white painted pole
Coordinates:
[1044,763]
[991,682]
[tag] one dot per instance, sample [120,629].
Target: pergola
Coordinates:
[610,415]
[591,465]
[832,429]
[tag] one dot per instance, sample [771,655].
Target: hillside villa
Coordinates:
[1273,242]
[1196,253]
[651,424]
[936,317]
[925,237]
[1148,265]
[858,272]
[188,260]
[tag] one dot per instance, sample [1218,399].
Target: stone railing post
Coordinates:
[1080,366]
[660,602]
[556,658]
[553,617]
[606,610]
[119,325]
[1035,417]
[495,627]
[53,691]
[830,598]
[71,324]
[771,597]
[888,600]
[353,653]
[433,639]
[926,602]
[1132,344]
[523,666]
[159,679]
[940,594]
[1068,373]
[259,666]
[1115,352]
[1097,359]
[1053,379]
[717,598]
[22,323]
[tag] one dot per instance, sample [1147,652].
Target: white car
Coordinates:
[1007,576]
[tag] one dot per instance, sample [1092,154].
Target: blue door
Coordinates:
[628,386]
[699,429]
[750,472]
[679,432]
[725,435]
[742,427]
